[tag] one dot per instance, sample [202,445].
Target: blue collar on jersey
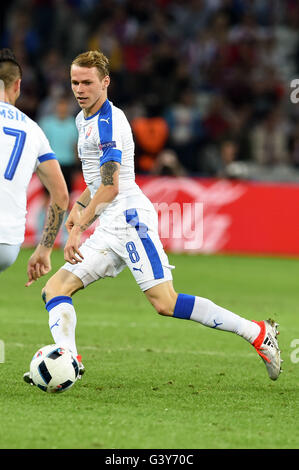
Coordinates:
[102,110]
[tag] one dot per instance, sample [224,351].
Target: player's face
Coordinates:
[89,89]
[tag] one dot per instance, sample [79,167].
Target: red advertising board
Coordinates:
[207,215]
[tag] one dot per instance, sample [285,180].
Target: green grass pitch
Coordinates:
[153,382]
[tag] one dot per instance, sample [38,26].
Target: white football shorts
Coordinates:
[8,255]
[130,239]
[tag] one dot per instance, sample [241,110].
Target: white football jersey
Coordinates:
[107,136]
[23,147]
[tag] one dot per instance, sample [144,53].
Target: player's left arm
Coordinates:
[105,194]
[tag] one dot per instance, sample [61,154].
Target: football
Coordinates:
[54,369]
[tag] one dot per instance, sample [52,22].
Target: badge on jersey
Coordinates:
[88,132]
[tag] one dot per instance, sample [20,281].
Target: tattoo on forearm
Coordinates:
[52,226]
[85,226]
[107,171]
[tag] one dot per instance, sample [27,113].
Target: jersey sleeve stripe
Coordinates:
[47,156]
[113,155]
[105,133]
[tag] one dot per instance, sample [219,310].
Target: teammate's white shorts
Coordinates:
[130,239]
[8,255]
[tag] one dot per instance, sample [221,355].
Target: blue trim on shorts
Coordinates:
[58,300]
[150,249]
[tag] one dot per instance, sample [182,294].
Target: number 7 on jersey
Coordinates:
[16,153]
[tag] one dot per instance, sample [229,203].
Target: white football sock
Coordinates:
[62,322]
[210,314]
[207,313]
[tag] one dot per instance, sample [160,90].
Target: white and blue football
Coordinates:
[54,369]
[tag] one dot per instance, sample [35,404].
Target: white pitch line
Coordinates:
[141,350]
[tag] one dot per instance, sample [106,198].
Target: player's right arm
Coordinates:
[75,214]
[52,178]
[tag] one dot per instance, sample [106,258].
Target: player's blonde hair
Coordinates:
[93,59]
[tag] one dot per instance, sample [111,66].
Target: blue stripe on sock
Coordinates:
[184,306]
[58,300]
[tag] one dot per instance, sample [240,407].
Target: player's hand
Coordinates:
[73,218]
[72,253]
[39,264]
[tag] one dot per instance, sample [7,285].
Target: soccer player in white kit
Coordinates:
[128,231]
[25,150]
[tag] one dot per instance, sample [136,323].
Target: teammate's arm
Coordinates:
[51,176]
[105,194]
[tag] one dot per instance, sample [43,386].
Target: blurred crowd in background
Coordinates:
[205,84]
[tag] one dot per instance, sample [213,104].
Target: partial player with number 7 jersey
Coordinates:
[23,147]
[24,150]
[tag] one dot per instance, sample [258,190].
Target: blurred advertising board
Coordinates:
[203,215]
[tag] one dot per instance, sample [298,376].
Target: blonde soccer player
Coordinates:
[128,232]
